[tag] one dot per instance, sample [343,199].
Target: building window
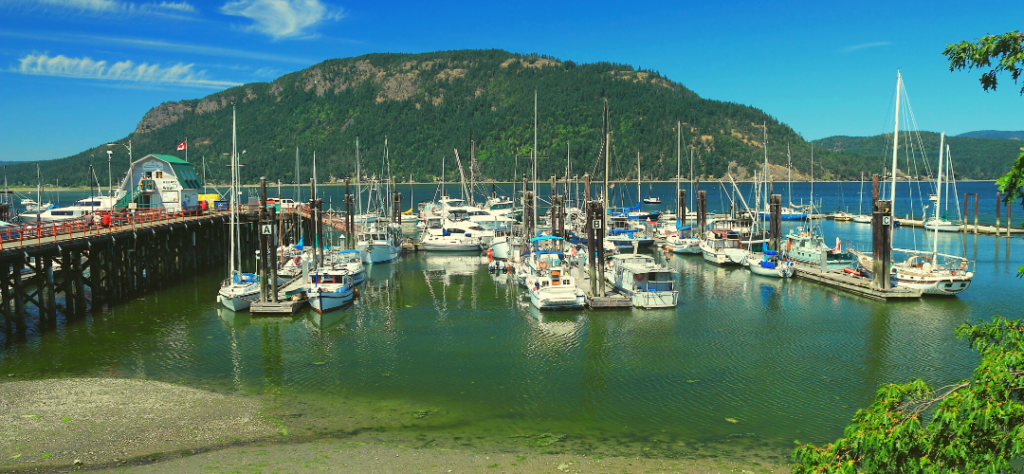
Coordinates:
[159,174]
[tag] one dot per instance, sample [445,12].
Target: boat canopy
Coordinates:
[546,237]
[771,252]
[348,251]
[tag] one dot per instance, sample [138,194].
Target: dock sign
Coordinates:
[268,229]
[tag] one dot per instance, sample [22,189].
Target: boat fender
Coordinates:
[639,276]
[297,261]
[542,264]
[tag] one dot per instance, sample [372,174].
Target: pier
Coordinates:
[77,266]
[852,284]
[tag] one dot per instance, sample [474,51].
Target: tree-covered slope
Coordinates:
[973,158]
[1006,135]
[432,103]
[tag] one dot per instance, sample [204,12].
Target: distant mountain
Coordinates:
[1019,135]
[973,158]
[429,104]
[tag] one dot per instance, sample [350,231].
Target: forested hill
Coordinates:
[1018,135]
[432,103]
[973,158]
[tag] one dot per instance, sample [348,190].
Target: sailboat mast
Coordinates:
[298,182]
[895,143]
[234,193]
[812,182]
[359,180]
[679,159]
[938,198]
[789,156]
[534,161]
[639,200]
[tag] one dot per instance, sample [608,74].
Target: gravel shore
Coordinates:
[139,426]
[105,421]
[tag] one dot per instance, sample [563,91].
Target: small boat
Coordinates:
[350,262]
[330,288]
[380,244]
[648,284]
[652,200]
[862,219]
[451,242]
[941,225]
[548,280]
[806,246]
[842,217]
[722,247]
[770,264]
[239,291]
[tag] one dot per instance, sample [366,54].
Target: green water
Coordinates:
[438,352]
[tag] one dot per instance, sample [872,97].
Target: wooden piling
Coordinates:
[775,222]
[881,229]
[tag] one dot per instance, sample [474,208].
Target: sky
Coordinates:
[78,73]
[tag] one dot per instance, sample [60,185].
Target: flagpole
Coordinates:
[186,148]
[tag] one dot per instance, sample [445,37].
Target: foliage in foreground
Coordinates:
[973,426]
[1007,51]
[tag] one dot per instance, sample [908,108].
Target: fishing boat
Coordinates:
[770,264]
[808,247]
[330,288]
[549,281]
[722,247]
[648,284]
[380,244]
[351,262]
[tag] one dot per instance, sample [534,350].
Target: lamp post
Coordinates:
[130,163]
[110,179]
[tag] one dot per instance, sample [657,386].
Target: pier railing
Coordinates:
[40,233]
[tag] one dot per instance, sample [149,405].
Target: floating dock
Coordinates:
[853,284]
[291,297]
[612,299]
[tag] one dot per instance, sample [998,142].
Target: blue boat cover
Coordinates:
[771,252]
[545,237]
[768,265]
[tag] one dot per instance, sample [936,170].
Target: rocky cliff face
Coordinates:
[162,116]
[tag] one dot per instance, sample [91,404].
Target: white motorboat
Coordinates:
[330,288]
[549,281]
[80,208]
[722,247]
[379,245]
[941,225]
[648,284]
[861,219]
[770,264]
[350,262]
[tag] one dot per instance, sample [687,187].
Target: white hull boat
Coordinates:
[648,284]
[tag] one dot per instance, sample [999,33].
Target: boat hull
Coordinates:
[237,302]
[379,253]
[325,301]
[780,271]
[545,300]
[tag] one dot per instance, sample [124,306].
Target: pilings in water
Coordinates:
[702,212]
[881,244]
[81,275]
[681,206]
[775,222]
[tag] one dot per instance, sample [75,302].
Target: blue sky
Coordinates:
[77,73]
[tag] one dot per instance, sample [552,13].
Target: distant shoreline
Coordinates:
[28,190]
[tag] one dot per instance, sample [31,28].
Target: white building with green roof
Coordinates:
[160,182]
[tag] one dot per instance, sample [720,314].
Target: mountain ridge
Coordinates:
[428,105]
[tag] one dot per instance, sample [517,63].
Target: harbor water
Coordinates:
[436,351]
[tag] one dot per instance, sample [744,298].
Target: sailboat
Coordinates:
[932,272]
[239,290]
[861,218]
[33,208]
[940,222]
[684,241]
[380,241]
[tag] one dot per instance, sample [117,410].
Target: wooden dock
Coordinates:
[291,297]
[612,299]
[853,284]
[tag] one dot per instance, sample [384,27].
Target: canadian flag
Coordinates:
[183,145]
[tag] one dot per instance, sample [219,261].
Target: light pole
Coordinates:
[110,180]
[128,145]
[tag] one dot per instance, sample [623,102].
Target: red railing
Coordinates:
[100,223]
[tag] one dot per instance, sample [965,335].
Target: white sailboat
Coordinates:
[239,290]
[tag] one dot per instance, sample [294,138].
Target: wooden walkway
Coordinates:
[853,284]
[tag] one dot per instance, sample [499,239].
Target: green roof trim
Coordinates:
[171,159]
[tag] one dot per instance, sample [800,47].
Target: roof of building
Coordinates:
[171,159]
[183,170]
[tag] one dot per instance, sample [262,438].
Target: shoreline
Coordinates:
[110,424]
[484,183]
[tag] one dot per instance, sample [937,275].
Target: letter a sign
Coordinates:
[268,229]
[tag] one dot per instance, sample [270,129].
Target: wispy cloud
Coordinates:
[164,8]
[179,74]
[158,45]
[282,18]
[856,47]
